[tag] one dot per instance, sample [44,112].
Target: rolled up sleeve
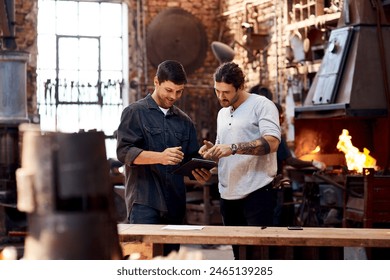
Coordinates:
[128,136]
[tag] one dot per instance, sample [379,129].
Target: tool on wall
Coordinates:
[7,25]
[177,34]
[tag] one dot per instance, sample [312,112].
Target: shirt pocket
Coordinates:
[181,139]
[154,136]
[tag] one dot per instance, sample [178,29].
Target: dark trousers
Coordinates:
[142,214]
[256,209]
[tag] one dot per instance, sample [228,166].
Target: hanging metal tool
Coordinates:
[7,24]
[176,34]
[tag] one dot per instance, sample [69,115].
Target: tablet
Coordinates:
[194,163]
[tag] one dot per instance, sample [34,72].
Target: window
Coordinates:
[82,62]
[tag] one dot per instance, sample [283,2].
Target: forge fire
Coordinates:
[355,159]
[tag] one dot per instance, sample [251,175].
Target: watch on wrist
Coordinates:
[234,148]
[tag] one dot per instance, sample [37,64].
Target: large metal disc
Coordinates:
[178,35]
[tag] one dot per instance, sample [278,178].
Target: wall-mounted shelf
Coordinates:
[313,21]
[303,9]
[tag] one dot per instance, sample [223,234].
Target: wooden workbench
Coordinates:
[151,237]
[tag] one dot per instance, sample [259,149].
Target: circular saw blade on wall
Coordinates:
[178,35]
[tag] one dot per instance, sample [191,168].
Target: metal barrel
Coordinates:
[63,186]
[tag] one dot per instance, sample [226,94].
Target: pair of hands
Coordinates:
[212,152]
[174,155]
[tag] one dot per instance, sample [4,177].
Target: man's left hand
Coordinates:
[201,175]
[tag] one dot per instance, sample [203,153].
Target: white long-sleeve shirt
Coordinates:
[239,174]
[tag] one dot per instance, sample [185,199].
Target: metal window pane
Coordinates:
[109,46]
[47,51]
[89,19]
[47,19]
[66,17]
[111,20]
[89,54]
[68,53]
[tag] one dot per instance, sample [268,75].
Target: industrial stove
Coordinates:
[349,93]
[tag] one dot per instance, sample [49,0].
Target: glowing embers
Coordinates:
[355,159]
[316,150]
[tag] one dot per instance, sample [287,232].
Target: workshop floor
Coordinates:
[221,252]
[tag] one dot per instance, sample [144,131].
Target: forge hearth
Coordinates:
[351,89]
[370,133]
[337,181]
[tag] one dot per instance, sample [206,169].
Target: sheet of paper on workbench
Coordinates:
[183,227]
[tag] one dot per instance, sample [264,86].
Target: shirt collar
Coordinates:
[153,105]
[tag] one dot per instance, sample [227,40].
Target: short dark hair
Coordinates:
[230,73]
[171,70]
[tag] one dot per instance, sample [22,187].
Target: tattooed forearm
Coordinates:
[257,147]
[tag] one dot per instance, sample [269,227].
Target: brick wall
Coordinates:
[199,100]
[222,21]
[26,40]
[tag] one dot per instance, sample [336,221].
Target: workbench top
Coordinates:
[270,236]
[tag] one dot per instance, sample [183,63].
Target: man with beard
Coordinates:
[248,135]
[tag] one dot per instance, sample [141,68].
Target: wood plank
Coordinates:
[272,236]
[145,250]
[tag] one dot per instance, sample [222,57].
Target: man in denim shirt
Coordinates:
[154,136]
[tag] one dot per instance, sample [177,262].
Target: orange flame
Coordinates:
[355,159]
[316,150]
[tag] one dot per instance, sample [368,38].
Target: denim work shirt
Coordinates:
[144,126]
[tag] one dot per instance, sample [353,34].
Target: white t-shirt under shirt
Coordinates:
[165,111]
[240,175]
